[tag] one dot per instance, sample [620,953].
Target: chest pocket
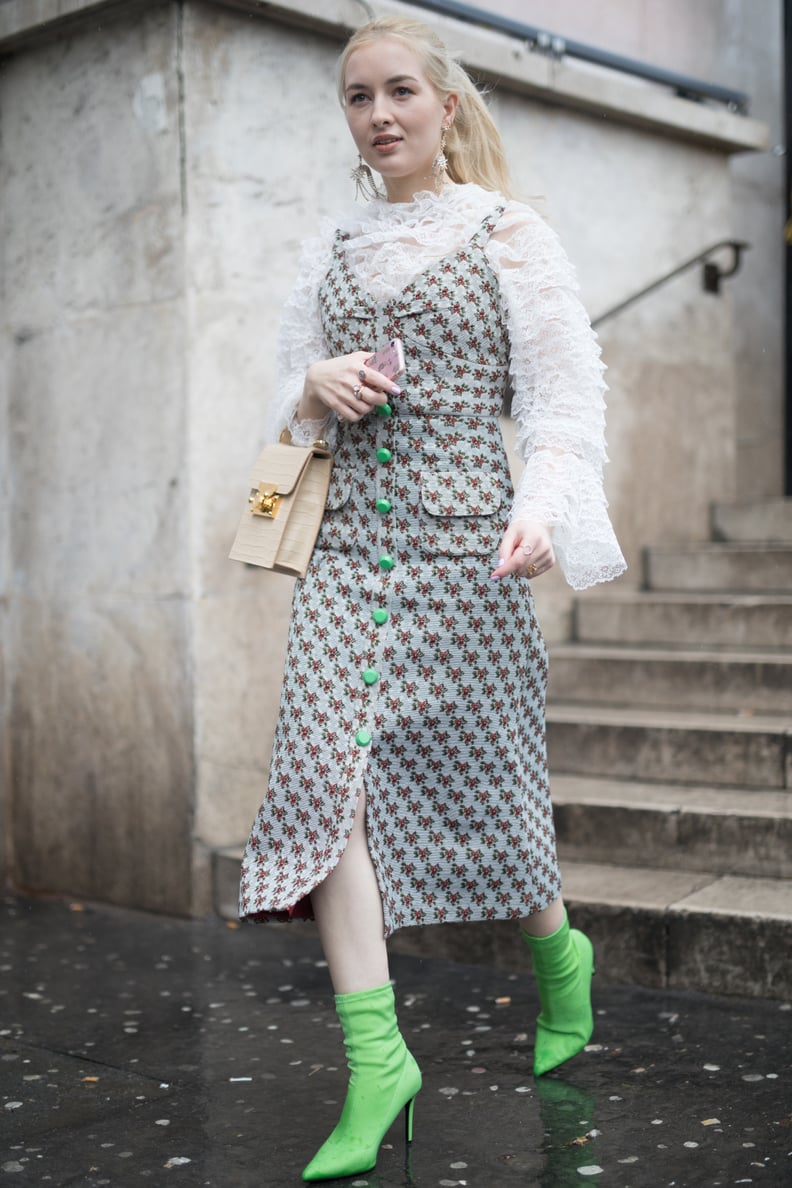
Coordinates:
[459,512]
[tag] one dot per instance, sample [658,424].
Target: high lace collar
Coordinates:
[455,204]
[388,244]
[422,200]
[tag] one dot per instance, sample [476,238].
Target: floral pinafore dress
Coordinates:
[410,676]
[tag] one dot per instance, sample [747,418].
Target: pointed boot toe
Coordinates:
[563,966]
[566,1028]
[384,1080]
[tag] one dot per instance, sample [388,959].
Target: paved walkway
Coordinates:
[144,1050]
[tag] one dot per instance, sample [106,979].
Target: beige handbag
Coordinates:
[285,507]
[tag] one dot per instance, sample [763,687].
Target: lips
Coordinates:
[383,141]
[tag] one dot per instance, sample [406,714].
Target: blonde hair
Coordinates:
[474,149]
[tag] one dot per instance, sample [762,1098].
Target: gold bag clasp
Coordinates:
[265,501]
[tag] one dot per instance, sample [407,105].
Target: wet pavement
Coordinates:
[138,1049]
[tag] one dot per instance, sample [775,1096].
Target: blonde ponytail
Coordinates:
[474,149]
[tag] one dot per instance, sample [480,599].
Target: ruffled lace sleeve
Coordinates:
[558,402]
[301,342]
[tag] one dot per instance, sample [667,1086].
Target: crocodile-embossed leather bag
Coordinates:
[288,490]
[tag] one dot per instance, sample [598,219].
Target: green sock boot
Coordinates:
[384,1079]
[563,964]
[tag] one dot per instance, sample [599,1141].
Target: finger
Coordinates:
[351,405]
[506,555]
[378,382]
[359,399]
[355,414]
[523,556]
[535,567]
[514,565]
[358,388]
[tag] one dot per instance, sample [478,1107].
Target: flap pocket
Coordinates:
[340,486]
[460,493]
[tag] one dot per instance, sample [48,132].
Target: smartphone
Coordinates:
[389,360]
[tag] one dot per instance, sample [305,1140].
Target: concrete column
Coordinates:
[98,615]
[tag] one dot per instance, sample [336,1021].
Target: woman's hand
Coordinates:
[525,550]
[346,386]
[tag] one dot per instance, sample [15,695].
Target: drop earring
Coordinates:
[440,162]
[365,186]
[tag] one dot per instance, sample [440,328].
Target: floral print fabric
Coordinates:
[556,374]
[410,676]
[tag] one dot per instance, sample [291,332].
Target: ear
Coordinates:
[449,107]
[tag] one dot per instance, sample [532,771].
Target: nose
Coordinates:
[380,111]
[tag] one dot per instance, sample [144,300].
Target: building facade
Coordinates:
[160,163]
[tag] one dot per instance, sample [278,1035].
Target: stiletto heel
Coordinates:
[384,1080]
[408,1122]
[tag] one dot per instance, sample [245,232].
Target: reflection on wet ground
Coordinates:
[140,1049]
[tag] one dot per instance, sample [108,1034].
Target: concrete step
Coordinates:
[760,520]
[741,831]
[689,930]
[661,746]
[760,682]
[748,568]
[703,620]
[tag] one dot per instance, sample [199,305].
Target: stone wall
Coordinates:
[159,169]
[740,45]
[97,624]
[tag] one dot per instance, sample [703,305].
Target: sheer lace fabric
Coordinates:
[556,372]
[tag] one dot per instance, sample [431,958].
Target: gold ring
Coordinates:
[532,569]
[356,391]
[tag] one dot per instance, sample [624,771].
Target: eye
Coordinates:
[402,91]
[357,98]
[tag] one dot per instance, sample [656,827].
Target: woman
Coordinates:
[408,781]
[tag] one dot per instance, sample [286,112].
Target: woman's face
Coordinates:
[395,115]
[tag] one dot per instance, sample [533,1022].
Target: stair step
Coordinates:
[722,830]
[689,930]
[760,682]
[659,928]
[718,567]
[723,750]
[724,934]
[705,620]
[759,520]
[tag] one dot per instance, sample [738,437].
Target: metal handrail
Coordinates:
[711,276]
[544,41]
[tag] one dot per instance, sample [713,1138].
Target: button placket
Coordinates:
[382,505]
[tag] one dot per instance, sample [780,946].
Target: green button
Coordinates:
[383,506]
[386,562]
[370,676]
[384,454]
[383,410]
[380,615]
[362,738]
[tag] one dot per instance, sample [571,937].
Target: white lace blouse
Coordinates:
[556,373]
